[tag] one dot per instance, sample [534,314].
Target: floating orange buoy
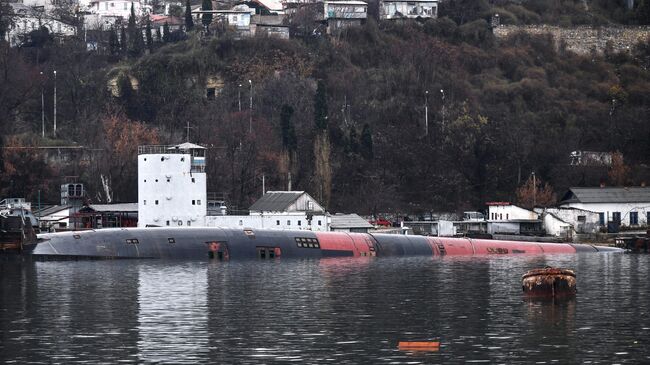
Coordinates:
[419,346]
[549,282]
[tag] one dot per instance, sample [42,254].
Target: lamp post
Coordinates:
[42,111]
[443,107]
[426,113]
[534,190]
[54,131]
[239,97]
[250,115]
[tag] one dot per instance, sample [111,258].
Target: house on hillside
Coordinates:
[26,19]
[340,14]
[270,26]
[624,206]
[238,18]
[411,9]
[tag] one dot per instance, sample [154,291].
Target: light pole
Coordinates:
[239,97]
[534,190]
[426,113]
[54,132]
[42,110]
[250,115]
[443,107]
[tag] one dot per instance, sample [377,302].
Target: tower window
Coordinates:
[156,202]
[193,202]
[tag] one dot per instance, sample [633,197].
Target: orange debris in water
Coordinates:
[419,346]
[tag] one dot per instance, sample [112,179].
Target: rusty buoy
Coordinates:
[549,282]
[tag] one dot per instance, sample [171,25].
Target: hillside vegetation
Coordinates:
[344,115]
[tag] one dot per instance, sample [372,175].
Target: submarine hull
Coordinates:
[229,243]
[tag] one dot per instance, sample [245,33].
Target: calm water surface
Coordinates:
[322,311]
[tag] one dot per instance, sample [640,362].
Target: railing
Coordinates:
[160,149]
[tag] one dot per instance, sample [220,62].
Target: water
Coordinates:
[343,311]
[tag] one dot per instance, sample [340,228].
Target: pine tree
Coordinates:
[320,106]
[366,143]
[135,42]
[123,42]
[289,139]
[149,36]
[189,23]
[207,18]
[113,43]
[166,35]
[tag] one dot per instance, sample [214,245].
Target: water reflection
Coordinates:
[310,311]
[172,320]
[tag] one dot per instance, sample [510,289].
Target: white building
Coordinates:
[340,14]
[503,211]
[399,9]
[626,206]
[111,10]
[172,185]
[27,19]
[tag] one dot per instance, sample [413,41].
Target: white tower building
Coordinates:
[171,185]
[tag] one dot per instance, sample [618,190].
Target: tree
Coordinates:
[206,19]
[289,139]
[643,12]
[123,43]
[618,171]
[320,106]
[113,42]
[135,42]
[166,35]
[366,143]
[189,23]
[6,19]
[149,36]
[532,194]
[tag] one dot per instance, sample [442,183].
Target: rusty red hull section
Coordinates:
[549,283]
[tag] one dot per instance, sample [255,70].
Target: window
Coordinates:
[156,202]
[500,216]
[241,222]
[168,179]
[145,180]
[180,222]
[145,202]
[210,93]
[616,217]
[189,223]
[277,223]
[167,222]
[193,180]
[507,216]
[634,218]
[198,202]
[299,223]
[307,242]
[288,222]
[171,240]
[133,241]
[112,5]
[319,223]
[156,180]
[125,6]
[582,218]
[601,219]
[193,202]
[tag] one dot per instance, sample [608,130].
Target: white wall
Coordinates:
[508,212]
[270,221]
[609,208]
[181,194]
[556,227]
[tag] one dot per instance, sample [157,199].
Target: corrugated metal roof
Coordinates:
[276,201]
[607,195]
[349,221]
[51,210]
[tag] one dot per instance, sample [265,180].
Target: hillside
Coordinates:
[345,115]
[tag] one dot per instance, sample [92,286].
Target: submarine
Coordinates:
[205,243]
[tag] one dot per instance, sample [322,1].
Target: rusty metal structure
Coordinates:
[549,282]
[16,234]
[635,244]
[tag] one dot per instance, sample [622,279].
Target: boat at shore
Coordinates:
[231,243]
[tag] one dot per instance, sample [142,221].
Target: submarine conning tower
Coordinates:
[171,185]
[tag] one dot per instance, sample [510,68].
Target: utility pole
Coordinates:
[289,185]
[443,107]
[263,185]
[426,113]
[42,112]
[250,115]
[54,132]
[534,190]
[239,97]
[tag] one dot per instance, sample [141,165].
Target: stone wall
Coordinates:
[583,40]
